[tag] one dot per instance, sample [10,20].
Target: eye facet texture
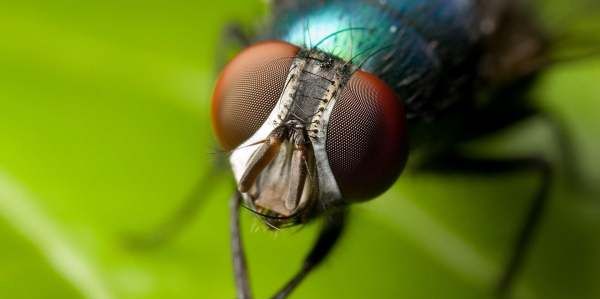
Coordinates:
[366,137]
[248,89]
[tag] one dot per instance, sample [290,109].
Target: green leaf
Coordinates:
[104,129]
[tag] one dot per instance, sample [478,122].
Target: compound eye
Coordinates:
[366,137]
[248,89]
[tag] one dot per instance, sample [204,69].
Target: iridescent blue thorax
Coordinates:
[413,45]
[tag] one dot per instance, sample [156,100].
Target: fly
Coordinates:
[323,108]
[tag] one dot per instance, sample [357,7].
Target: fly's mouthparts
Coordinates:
[279,174]
[262,157]
[299,170]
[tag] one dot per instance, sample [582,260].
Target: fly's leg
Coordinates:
[328,237]
[458,163]
[494,119]
[528,227]
[234,32]
[567,151]
[233,39]
[185,213]
[242,283]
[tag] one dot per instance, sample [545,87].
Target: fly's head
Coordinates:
[307,132]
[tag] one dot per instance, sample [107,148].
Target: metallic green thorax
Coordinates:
[410,44]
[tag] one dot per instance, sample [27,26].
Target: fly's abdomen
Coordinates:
[412,45]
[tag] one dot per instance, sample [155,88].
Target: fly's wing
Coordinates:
[514,44]
[522,37]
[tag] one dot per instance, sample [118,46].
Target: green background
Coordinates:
[104,129]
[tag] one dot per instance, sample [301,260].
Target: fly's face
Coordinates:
[308,132]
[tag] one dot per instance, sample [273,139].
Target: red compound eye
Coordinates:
[248,89]
[366,137]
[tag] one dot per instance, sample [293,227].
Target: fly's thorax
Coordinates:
[417,47]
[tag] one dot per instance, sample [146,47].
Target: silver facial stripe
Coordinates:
[308,99]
